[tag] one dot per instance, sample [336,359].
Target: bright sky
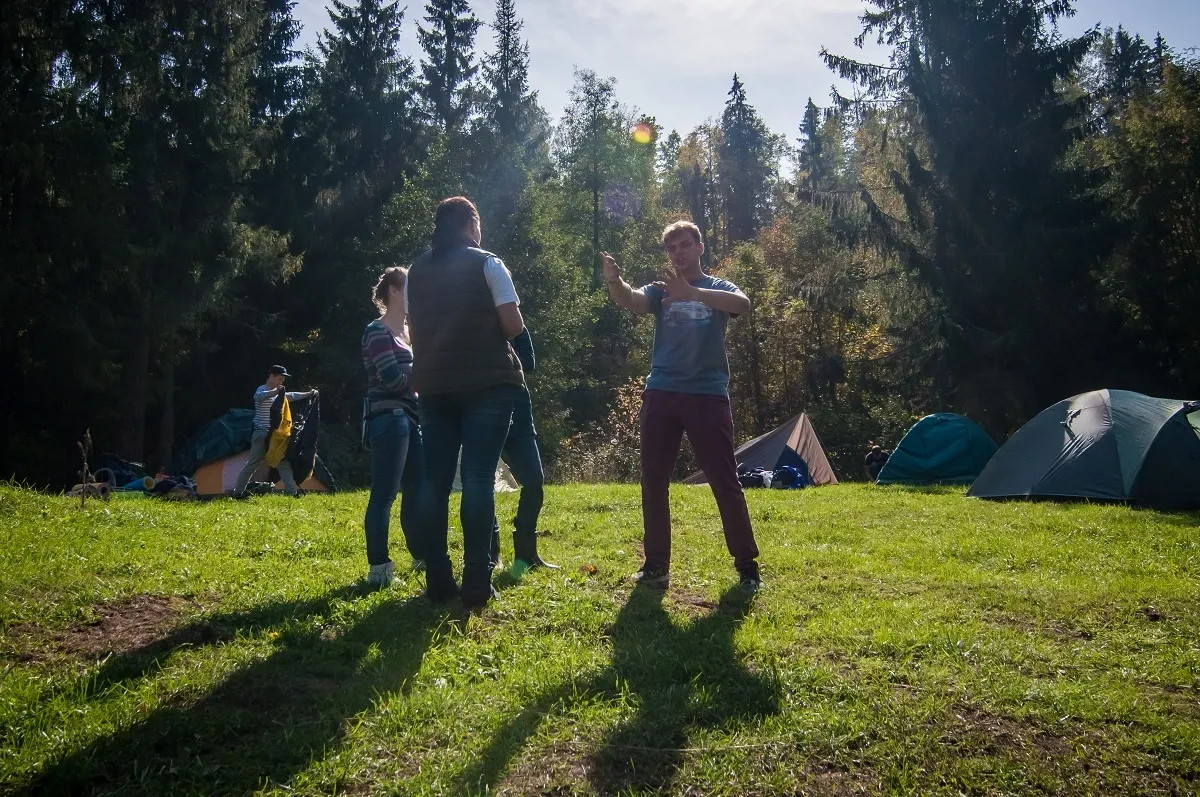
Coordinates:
[675,59]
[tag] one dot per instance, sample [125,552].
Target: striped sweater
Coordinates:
[388,362]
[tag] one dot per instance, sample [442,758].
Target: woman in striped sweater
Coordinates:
[392,430]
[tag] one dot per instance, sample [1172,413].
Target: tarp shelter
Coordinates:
[794,440]
[943,448]
[1107,445]
[215,455]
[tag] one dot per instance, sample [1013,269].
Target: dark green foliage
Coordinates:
[990,218]
[1151,158]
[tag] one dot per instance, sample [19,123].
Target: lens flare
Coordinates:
[643,133]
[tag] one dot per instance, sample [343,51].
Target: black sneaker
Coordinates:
[751,581]
[652,576]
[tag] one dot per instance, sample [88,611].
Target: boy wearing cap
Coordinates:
[264,397]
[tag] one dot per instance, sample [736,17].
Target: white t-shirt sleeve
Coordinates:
[500,282]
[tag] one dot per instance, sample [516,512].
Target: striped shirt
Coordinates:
[264,397]
[388,363]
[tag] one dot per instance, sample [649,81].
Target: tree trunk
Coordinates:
[595,236]
[136,385]
[166,432]
[8,394]
[756,376]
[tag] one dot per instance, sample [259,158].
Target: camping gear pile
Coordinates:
[117,476]
[785,477]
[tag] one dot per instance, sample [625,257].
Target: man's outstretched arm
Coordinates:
[621,291]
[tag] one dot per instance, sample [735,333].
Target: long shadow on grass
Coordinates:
[267,721]
[678,678]
[202,631]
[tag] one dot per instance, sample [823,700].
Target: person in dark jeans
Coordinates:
[525,461]
[687,391]
[463,313]
[391,430]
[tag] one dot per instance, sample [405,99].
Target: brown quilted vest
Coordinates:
[456,338]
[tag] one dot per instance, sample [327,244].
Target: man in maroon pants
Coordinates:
[687,391]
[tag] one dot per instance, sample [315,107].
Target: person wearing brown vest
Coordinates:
[463,312]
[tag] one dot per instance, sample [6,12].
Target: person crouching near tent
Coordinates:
[391,429]
[525,461]
[687,391]
[873,463]
[463,311]
[264,398]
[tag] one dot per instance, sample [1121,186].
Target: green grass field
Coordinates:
[907,642]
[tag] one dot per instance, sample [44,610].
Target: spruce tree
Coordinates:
[510,105]
[747,170]
[449,68]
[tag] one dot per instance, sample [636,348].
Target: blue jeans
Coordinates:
[477,423]
[525,461]
[396,466]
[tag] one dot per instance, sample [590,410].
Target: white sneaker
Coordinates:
[383,575]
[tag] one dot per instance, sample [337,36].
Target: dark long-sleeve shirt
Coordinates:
[523,345]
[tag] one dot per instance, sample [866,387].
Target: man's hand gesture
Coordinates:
[678,289]
[612,272]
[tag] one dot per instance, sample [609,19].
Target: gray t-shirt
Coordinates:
[689,343]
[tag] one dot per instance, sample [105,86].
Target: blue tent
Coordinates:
[944,448]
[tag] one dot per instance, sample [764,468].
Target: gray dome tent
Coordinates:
[1107,445]
[796,438]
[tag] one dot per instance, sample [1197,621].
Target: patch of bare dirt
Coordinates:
[1078,755]
[119,627]
[997,733]
[1180,700]
[554,772]
[1054,630]
[822,778]
[690,603]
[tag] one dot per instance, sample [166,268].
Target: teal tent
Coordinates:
[1107,445]
[943,448]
